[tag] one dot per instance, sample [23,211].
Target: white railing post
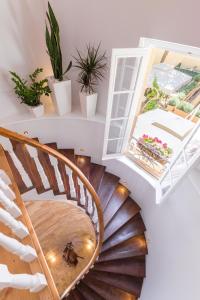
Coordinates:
[21,169]
[90,206]
[54,163]
[7,190]
[17,227]
[5,177]
[82,192]
[25,252]
[9,205]
[34,283]
[34,154]
[71,182]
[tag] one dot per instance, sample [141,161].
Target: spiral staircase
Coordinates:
[117,267]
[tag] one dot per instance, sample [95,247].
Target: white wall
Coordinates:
[120,24]
[172,264]
[22,46]
[115,23]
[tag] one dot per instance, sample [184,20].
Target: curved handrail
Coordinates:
[25,140]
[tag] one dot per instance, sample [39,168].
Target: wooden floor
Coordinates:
[56,224]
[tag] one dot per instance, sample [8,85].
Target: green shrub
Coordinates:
[185,106]
[30,92]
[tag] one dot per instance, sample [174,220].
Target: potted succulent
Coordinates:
[91,69]
[30,92]
[183,108]
[59,84]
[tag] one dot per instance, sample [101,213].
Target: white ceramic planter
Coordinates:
[61,95]
[37,111]
[88,104]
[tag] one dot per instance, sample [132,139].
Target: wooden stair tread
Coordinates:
[17,176]
[29,165]
[135,246]
[127,266]
[127,283]
[88,293]
[134,226]
[116,201]
[106,291]
[77,295]
[127,211]
[68,153]
[108,184]
[83,162]
[96,175]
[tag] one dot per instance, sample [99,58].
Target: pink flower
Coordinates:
[157,140]
[145,136]
[165,145]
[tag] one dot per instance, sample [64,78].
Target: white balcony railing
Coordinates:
[187,156]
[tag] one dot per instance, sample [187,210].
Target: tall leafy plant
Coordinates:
[29,92]
[91,67]
[53,45]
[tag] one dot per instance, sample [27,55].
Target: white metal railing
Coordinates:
[180,165]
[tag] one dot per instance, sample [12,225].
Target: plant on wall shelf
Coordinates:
[91,68]
[53,45]
[60,86]
[30,92]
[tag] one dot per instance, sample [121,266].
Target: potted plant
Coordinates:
[91,67]
[154,148]
[59,84]
[154,97]
[183,108]
[30,92]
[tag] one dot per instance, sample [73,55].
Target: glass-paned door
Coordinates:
[126,78]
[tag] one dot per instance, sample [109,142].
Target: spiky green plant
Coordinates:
[53,45]
[91,67]
[30,92]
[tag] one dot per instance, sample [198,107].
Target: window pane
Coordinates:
[114,146]
[117,129]
[121,105]
[125,73]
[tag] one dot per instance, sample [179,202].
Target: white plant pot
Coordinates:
[61,95]
[88,104]
[36,111]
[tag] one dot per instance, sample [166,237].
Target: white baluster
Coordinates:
[90,204]
[54,163]
[95,216]
[25,252]
[34,154]
[21,169]
[5,177]
[7,190]
[9,205]
[82,192]
[71,182]
[33,283]
[17,227]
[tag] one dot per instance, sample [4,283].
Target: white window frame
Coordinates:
[145,45]
[143,53]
